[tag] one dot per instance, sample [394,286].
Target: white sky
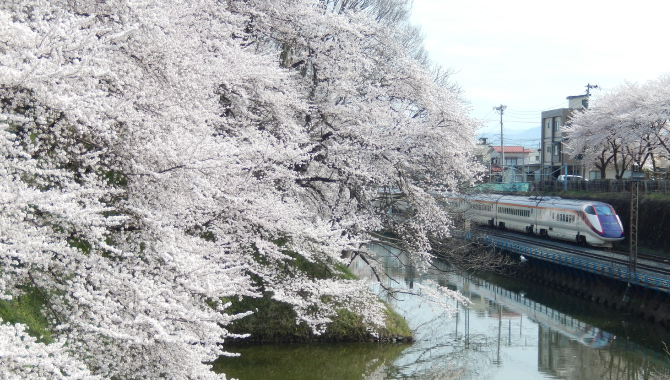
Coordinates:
[531,54]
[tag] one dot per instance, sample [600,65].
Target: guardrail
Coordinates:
[624,275]
[603,186]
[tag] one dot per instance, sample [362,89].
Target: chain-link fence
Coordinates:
[602,186]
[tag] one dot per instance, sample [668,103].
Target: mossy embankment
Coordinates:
[27,309]
[275,321]
[271,321]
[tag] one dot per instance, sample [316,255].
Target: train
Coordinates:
[586,222]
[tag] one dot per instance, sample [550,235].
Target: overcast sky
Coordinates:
[529,55]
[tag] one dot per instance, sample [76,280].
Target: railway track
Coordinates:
[650,263]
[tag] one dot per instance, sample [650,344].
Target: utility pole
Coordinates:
[589,86]
[501,109]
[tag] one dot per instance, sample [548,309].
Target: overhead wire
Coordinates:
[559,105]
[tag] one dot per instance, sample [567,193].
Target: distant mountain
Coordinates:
[528,138]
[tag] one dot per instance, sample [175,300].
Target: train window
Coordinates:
[590,210]
[604,210]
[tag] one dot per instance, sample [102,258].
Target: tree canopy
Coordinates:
[161,158]
[625,127]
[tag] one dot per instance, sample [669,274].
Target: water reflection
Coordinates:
[503,334]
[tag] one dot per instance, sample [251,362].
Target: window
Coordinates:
[514,211]
[555,150]
[547,122]
[604,210]
[482,207]
[557,123]
[509,161]
[565,218]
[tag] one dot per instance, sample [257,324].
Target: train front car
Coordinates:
[603,221]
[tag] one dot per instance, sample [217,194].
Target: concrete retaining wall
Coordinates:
[632,300]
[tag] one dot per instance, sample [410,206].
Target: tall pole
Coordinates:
[634,207]
[589,86]
[501,109]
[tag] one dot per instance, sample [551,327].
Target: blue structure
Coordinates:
[583,265]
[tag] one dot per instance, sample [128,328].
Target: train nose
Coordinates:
[611,227]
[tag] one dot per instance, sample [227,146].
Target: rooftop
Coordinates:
[512,149]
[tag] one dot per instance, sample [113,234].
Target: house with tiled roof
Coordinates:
[520,161]
[514,156]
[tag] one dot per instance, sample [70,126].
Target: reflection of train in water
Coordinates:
[590,222]
[595,338]
[575,330]
[515,304]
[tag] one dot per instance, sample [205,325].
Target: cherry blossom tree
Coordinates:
[404,123]
[625,127]
[162,158]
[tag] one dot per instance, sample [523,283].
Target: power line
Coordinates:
[537,117]
[560,105]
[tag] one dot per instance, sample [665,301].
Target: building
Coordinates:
[483,155]
[523,162]
[519,162]
[554,160]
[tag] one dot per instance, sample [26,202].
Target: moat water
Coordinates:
[512,330]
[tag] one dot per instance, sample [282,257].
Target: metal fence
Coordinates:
[610,271]
[603,186]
